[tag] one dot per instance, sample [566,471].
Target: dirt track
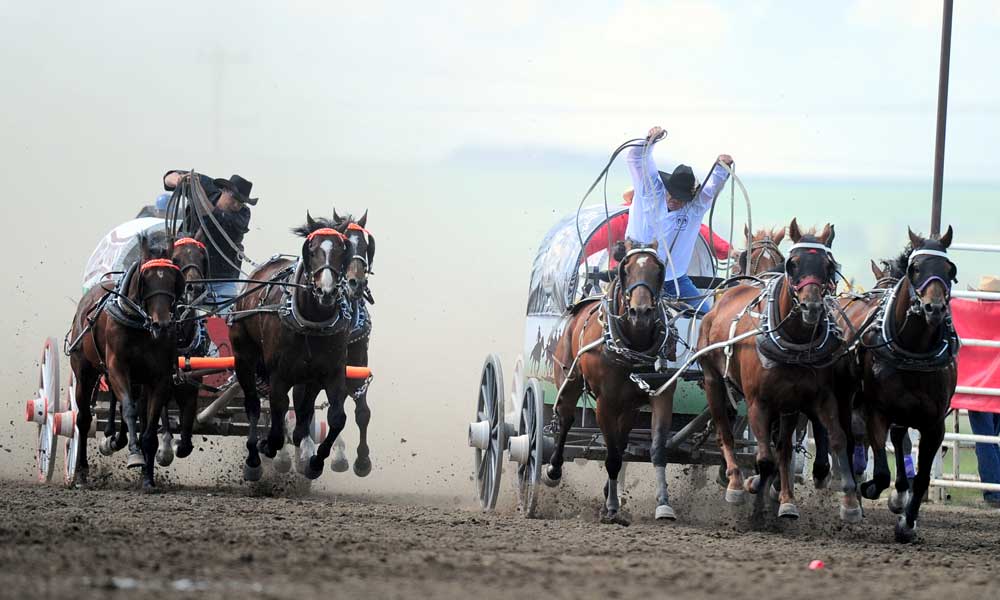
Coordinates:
[225,541]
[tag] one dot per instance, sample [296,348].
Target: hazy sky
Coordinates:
[792,88]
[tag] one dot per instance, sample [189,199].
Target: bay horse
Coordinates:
[191,257]
[126,334]
[631,317]
[294,328]
[361,246]
[763,254]
[908,368]
[785,369]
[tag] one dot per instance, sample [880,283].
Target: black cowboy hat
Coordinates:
[681,184]
[239,187]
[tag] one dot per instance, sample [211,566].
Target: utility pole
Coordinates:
[942,117]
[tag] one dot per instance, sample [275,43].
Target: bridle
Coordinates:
[828,285]
[917,288]
[156,263]
[337,275]
[626,292]
[193,267]
[362,258]
[748,262]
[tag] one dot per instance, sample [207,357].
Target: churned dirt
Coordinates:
[236,541]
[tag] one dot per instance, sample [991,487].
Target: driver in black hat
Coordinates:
[229,199]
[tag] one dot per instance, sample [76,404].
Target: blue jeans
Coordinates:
[683,287]
[223,292]
[987,455]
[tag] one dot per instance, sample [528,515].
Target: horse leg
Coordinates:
[187,399]
[304,403]
[120,385]
[362,416]
[786,495]
[838,423]
[900,496]
[278,403]
[663,413]
[759,417]
[565,407]
[336,419]
[821,464]
[155,398]
[881,478]
[930,442]
[165,452]
[246,374]
[87,379]
[718,406]
[611,428]
[108,444]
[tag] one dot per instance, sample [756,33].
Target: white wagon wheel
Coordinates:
[67,429]
[41,408]
[528,448]
[488,433]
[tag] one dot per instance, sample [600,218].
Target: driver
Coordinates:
[669,208]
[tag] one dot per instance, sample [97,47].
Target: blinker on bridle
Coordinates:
[920,287]
[812,248]
[328,232]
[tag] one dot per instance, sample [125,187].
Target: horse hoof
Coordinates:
[362,467]
[904,533]
[751,484]
[282,462]
[252,473]
[822,483]
[105,447]
[80,480]
[340,465]
[183,450]
[898,501]
[735,496]
[148,487]
[165,456]
[135,460]
[614,518]
[551,477]
[787,510]
[265,448]
[314,468]
[664,511]
[870,491]
[851,516]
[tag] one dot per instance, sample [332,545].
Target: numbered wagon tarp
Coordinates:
[120,248]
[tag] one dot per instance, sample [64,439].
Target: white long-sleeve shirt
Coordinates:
[649,219]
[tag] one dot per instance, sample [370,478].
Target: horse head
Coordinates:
[324,258]
[810,270]
[930,274]
[361,245]
[640,276]
[191,257]
[158,285]
[762,254]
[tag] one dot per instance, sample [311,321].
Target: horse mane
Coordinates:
[313,224]
[157,249]
[896,265]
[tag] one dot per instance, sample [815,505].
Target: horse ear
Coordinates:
[371,250]
[915,240]
[793,231]
[655,244]
[777,235]
[336,217]
[143,247]
[364,219]
[309,221]
[877,272]
[619,251]
[828,235]
[946,238]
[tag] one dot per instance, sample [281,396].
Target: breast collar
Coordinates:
[889,353]
[122,309]
[819,352]
[291,317]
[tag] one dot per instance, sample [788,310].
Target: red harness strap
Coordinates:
[356,227]
[158,262]
[187,241]
[810,280]
[326,231]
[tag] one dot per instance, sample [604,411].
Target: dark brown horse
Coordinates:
[126,333]
[631,310]
[361,246]
[907,368]
[294,329]
[783,366]
[191,257]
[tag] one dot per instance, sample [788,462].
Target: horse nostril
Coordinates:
[352,283]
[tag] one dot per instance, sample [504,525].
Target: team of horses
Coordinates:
[781,342]
[294,328]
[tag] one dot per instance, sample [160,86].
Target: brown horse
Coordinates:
[763,253]
[908,370]
[126,333]
[361,246]
[294,328]
[631,314]
[782,366]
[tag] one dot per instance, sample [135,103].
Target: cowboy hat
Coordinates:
[989,283]
[239,187]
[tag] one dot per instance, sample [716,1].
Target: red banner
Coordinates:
[977,366]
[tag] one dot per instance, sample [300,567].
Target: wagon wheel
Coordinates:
[488,433]
[71,443]
[41,408]
[528,448]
